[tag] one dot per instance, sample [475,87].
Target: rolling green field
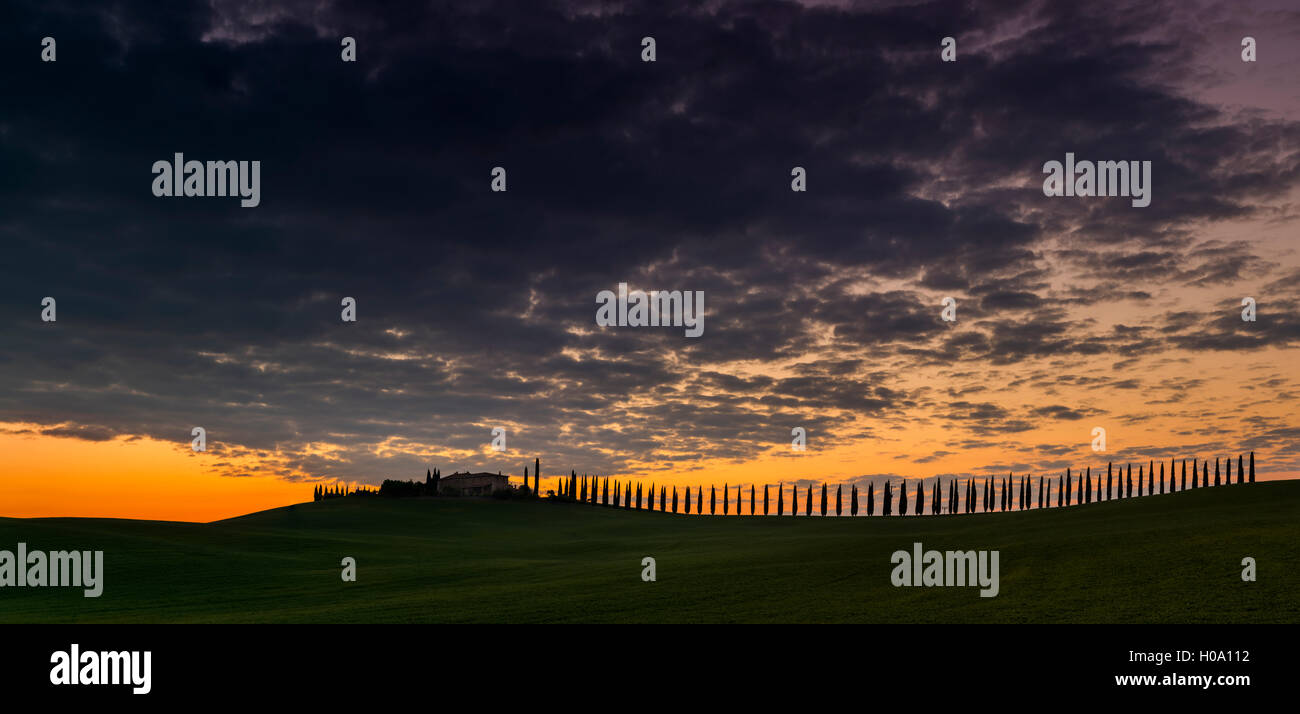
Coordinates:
[1171,558]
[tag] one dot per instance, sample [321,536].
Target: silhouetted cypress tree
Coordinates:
[751,499]
[918,505]
[794,499]
[1162,477]
[1241,473]
[674,499]
[627,496]
[1087,486]
[1182,485]
[766,499]
[713,500]
[699,499]
[839,500]
[1128,482]
[1205,473]
[652,499]
[807,504]
[823,499]
[726,489]
[970,495]
[688,500]
[853,500]
[871,499]
[663,498]
[1069,487]
[1196,475]
[902,499]
[1227,469]
[1252,467]
[780,500]
[887,508]
[934,498]
[1060,491]
[1216,471]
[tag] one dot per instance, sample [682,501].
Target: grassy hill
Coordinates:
[1172,558]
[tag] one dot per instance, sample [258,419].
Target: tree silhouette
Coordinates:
[713,501]
[699,499]
[871,499]
[751,499]
[902,499]
[726,489]
[853,500]
[1216,471]
[839,500]
[780,500]
[674,499]
[688,500]
[1252,467]
[808,502]
[887,508]
[1241,476]
[794,499]
[823,499]
[766,499]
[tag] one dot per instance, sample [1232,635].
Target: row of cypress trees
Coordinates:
[992,494]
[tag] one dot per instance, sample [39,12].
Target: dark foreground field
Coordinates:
[1172,558]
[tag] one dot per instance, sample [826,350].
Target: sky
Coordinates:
[476,308]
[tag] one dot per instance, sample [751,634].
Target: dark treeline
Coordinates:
[957,496]
[949,496]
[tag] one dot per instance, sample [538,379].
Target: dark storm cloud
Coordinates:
[477,308]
